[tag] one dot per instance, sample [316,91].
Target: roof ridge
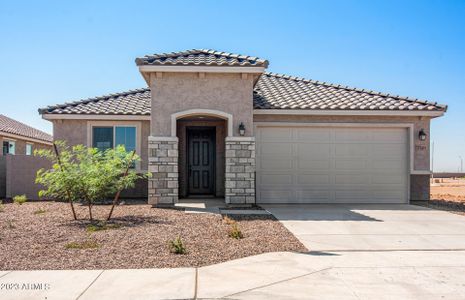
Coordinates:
[167,55]
[93,99]
[348,88]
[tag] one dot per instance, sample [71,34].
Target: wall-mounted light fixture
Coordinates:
[422,135]
[241,129]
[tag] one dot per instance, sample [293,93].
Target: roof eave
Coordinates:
[328,112]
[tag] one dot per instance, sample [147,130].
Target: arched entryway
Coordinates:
[201,135]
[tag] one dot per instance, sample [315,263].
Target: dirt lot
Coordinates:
[447,194]
[42,235]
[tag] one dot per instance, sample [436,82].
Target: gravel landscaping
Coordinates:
[42,235]
[451,203]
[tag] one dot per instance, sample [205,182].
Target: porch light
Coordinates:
[422,135]
[241,129]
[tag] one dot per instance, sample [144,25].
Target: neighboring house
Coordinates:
[18,166]
[216,124]
[20,139]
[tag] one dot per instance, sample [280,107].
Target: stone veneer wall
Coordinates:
[163,164]
[240,170]
[419,187]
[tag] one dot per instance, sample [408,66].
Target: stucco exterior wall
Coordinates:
[175,92]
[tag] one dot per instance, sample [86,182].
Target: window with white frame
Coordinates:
[9,147]
[106,137]
[28,149]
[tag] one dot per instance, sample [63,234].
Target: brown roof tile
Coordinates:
[8,125]
[272,91]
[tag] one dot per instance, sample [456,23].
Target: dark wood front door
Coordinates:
[201,160]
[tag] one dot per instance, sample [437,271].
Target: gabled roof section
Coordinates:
[133,102]
[276,91]
[10,126]
[201,57]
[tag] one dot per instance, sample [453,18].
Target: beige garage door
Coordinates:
[332,165]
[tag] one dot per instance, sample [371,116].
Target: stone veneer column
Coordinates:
[240,170]
[163,164]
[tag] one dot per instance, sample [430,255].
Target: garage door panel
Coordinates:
[390,136]
[276,148]
[358,135]
[355,164]
[312,179]
[314,165]
[332,165]
[389,151]
[351,179]
[276,134]
[387,179]
[351,150]
[317,135]
[277,196]
[276,163]
[392,165]
[310,151]
[276,179]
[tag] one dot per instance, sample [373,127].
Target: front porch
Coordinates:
[202,159]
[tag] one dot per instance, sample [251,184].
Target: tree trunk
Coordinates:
[116,199]
[90,210]
[57,154]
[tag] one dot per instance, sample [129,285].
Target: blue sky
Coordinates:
[57,51]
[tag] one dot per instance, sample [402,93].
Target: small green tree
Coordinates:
[90,174]
[62,180]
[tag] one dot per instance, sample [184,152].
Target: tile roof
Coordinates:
[133,102]
[201,57]
[276,91]
[8,125]
[272,91]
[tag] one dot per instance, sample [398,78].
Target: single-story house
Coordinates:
[18,166]
[217,124]
[20,139]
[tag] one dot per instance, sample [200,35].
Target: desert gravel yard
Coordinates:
[42,235]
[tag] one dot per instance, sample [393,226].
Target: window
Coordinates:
[106,137]
[9,147]
[28,149]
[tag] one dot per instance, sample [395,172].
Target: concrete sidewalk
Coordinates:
[283,275]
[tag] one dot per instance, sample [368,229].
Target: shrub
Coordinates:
[88,244]
[88,174]
[228,220]
[101,226]
[235,232]
[20,199]
[40,211]
[177,246]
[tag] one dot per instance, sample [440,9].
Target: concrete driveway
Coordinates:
[372,227]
